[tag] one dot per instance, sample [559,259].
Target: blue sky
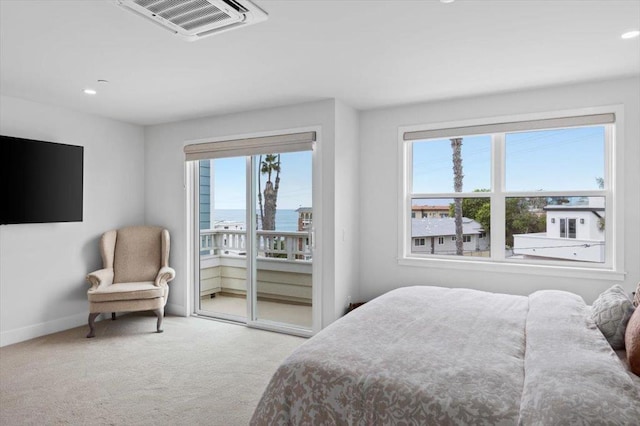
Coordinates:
[295,181]
[563,159]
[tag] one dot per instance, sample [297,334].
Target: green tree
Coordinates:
[519,219]
[483,216]
[470,206]
[521,216]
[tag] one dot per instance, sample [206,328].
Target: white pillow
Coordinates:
[611,312]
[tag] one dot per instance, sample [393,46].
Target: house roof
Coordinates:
[443,226]
[430,208]
[575,208]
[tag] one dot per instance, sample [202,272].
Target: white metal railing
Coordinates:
[271,244]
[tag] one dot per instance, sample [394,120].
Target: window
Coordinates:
[512,186]
[419,241]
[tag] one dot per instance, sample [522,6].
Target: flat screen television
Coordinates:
[40,182]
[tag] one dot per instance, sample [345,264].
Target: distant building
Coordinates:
[305,224]
[573,232]
[221,225]
[418,212]
[437,235]
[305,218]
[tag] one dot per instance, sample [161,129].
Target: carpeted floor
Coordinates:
[198,372]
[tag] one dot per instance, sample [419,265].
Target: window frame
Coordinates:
[612,268]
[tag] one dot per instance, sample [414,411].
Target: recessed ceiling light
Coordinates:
[447,1]
[89,92]
[630,34]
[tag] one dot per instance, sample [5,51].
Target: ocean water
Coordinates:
[286,220]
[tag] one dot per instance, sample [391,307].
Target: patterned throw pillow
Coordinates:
[611,312]
[636,300]
[632,342]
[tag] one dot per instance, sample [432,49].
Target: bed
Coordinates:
[432,355]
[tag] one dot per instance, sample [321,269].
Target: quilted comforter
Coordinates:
[436,356]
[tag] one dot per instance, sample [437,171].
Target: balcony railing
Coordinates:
[283,267]
[271,244]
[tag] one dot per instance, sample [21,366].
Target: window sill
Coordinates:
[509,267]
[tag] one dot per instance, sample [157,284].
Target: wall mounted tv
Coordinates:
[40,182]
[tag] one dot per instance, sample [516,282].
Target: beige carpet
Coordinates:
[198,372]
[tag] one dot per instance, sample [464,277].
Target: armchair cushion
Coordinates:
[126,291]
[137,254]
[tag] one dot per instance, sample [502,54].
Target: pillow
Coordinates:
[611,312]
[632,342]
[636,300]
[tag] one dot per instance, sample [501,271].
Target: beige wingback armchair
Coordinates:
[135,273]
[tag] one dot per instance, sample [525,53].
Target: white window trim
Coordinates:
[613,269]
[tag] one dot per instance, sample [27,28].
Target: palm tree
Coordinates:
[456,146]
[270,165]
[260,193]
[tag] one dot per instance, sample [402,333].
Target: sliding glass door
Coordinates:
[255,235]
[223,238]
[284,233]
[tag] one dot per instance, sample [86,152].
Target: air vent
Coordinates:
[195,19]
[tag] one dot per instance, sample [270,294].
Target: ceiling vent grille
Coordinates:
[195,19]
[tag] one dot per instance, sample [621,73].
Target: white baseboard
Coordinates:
[41,329]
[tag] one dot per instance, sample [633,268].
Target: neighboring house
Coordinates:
[305,218]
[205,195]
[437,235]
[418,212]
[574,232]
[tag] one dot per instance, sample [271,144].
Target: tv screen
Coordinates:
[40,181]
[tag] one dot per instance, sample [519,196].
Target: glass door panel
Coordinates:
[284,227]
[223,238]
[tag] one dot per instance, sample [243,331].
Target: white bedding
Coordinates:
[430,355]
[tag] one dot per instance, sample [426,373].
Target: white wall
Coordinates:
[165,189]
[347,214]
[42,266]
[380,271]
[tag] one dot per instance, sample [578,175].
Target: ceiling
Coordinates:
[369,54]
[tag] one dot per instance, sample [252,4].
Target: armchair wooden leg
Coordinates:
[160,314]
[92,319]
[113,316]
